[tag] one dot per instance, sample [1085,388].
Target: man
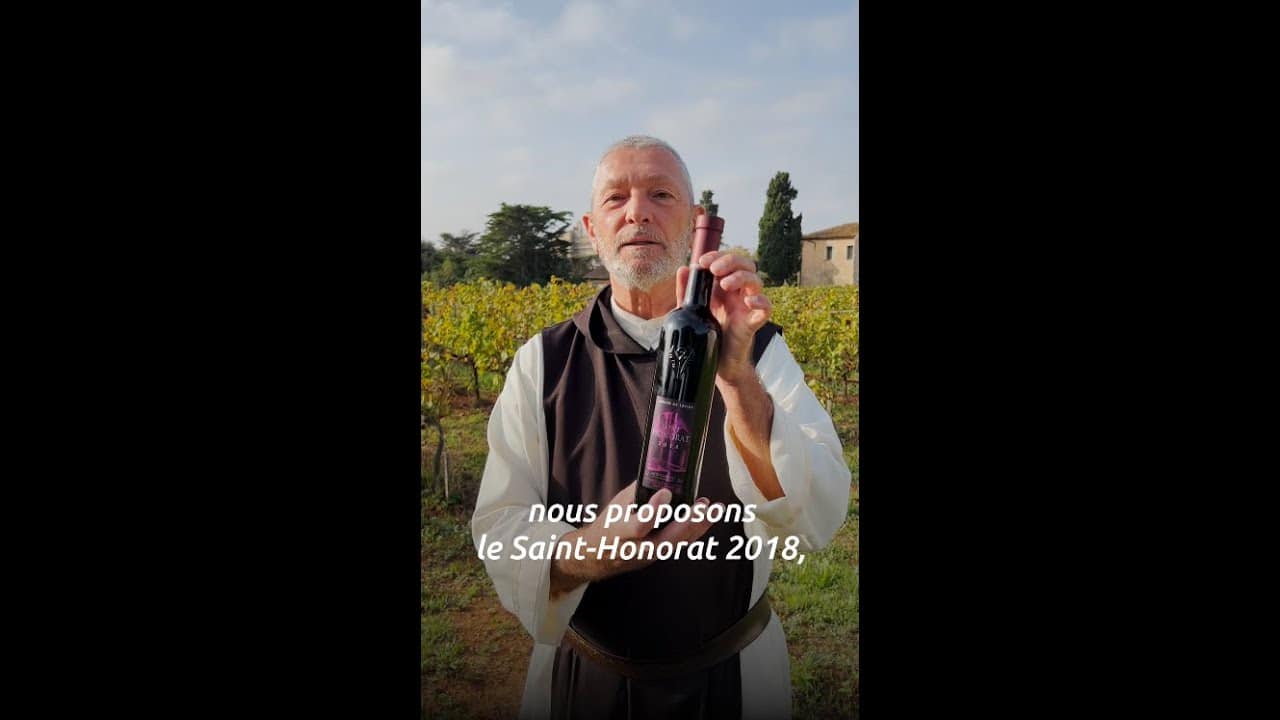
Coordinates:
[679,637]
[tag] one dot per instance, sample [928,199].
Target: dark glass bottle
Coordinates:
[684,382]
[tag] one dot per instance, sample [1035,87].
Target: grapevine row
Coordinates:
[480,326]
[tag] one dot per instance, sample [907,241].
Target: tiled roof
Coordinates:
[847,230]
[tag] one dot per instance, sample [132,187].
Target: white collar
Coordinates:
[645,332]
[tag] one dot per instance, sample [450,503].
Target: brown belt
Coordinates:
[714,651]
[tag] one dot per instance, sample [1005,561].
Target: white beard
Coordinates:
[643,275]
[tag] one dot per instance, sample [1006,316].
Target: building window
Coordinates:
[848,252]
[828,252]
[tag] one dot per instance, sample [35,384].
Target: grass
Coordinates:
[450,582]
[817,602]
[466,637]
[441,649]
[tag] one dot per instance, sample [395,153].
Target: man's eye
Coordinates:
[663,194]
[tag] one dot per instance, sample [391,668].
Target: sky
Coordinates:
[519,99]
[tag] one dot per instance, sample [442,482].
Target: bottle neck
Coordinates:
[697,294]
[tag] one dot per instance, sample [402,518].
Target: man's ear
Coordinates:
[591,232]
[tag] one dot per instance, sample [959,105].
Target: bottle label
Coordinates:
[668,457]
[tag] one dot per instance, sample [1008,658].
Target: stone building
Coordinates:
[830,257]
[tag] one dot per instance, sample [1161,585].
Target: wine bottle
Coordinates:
[684,381]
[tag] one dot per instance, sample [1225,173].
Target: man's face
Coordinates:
[641,220]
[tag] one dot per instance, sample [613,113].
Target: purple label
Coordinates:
[668,457]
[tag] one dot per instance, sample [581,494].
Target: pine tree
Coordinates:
[522,245]
[453,260]
[778,249]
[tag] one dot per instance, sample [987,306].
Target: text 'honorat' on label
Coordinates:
[667,462]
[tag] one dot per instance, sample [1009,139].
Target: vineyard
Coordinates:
[471,333]
[474,653]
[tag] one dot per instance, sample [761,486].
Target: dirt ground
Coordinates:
[491,681]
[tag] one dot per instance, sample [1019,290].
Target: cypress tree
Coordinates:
[779,243]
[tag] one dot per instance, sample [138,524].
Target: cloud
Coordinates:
[811,101]
[460,96]
[688,124]
[682,27]
[439,73]
[580,23]
[573,95]
[515,168]
[506,116]
[518,98]
[801,104]
[827,34]
[741,84]
[496,37]
[435,168]
[520,155]
[831,33]
[466,23]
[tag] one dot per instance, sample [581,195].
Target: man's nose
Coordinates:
[638,209]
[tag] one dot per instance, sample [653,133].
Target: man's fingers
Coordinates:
[638,528]
[721,264]
[689,530]
[742,280]
[625,496]
[761,310]
[695,530]
[709,257]
[662,497]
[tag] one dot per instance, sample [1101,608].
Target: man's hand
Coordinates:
[739,305]
[568,573]
[741,308]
